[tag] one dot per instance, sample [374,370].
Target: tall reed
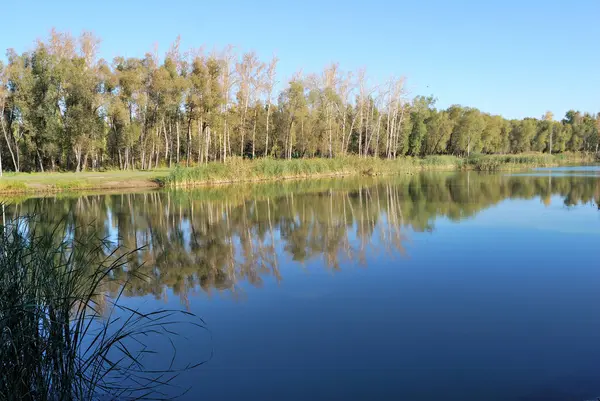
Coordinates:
[61,338]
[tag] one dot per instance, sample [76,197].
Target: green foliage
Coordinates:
[521,161]
[62,109]
[522,134]
[466,136]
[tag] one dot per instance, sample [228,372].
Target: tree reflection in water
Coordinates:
[215,238]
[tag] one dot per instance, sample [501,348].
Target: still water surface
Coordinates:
[418,287]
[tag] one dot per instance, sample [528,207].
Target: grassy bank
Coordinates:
[238,170]
[16,183]
[524,161]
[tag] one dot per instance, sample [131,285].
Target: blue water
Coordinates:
[568,171]
[434,287]
[483,309]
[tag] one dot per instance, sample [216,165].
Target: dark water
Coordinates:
[417,287]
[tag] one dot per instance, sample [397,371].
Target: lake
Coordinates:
[449,286]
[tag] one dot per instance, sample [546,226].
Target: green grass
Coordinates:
[523,161]
[60,182]
[244,170]
[60,337]
[238,170]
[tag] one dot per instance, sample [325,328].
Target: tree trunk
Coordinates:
[85,159]
[170,142]
[225,133]
[469,146]
[78,159]
[343,130]
[189,143]
[18,156]
[243,124]
[267,130]
[207,144]
[360,130]
[254,134]
[291,141]
[178,140]
[166,141]
[330,132]
[288,142]
[12,155]
[143,147]
[220,151]
[377,136]
[242,144]
[200,141]
[150,157]
[349,134]
[388,142]
[369,138]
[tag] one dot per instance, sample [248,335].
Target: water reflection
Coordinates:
[216,238]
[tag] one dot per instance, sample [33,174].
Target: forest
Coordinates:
[62,108]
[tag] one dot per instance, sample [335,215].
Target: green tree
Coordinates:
[522,135]
[466,136]
[439,129]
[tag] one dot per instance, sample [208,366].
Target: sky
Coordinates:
[514,58]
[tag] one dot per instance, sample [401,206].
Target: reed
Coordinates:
[61,338]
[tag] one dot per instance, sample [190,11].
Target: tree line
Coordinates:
[63,108]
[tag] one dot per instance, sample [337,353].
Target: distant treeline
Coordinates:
[62,108]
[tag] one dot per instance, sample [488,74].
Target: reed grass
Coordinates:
[240,170]
[523,161]
[57,340]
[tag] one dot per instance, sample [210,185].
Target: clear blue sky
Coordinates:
[515,58]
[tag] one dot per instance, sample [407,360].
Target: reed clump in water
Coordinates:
[61,338]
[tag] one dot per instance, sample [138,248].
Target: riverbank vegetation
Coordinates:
[52,182]
[64,109]
[62,337]
[239,170]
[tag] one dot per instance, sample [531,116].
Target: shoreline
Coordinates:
[267,170]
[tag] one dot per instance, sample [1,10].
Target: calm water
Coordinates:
[417,287]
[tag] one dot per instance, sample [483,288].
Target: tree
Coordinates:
[63,109]
[439,129]
[522,134]
[420,112]
[269,84]
[466,136]
[293,111]
[548,118]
